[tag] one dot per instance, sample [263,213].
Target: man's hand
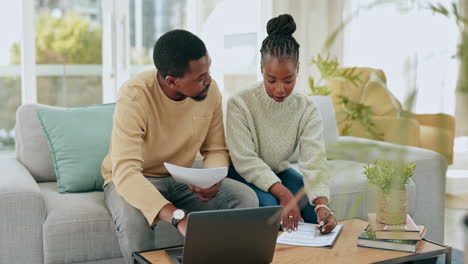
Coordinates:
[182,226]
[166,213]
[205,194]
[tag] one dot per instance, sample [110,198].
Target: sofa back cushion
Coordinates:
[32,149]
[330,130]
[370,90]
[78,140]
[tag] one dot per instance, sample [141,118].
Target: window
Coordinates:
[68,52]
[227,37]
[234,43]
[10,72]
[414,47]
[149,19]
[84,50]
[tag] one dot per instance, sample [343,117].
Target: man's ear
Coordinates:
[298,64]
[171,81]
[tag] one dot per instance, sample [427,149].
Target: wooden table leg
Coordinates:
[448,256]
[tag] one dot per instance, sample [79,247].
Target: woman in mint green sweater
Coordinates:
[267,122]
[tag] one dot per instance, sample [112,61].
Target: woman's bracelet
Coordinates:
[320,206]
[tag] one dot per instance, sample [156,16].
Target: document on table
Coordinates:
[307,236]
[203,178]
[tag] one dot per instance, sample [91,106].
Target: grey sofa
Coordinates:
[40,225]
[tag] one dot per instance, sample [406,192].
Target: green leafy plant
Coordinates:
[69,39]
[329,70]
[362,113]
[318,89]
[389,175]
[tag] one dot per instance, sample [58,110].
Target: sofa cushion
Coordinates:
[351,197]
[79,228]
[371,90]
[32,149]
[78,140]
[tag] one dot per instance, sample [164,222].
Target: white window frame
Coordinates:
[115,50]
[115,47]
[115,66]
[28,53]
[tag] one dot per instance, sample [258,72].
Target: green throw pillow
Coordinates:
[78,140]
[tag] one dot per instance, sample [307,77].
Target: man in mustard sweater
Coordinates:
[166,115]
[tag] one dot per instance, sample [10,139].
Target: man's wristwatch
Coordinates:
[177,216]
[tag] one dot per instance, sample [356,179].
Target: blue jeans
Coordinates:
[292,180]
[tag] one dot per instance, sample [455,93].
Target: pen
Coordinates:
[325,222]
[321,226]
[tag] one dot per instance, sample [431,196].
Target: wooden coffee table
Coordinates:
[345,250]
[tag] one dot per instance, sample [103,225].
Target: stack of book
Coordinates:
[392,237]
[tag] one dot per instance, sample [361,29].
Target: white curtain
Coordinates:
[315,21]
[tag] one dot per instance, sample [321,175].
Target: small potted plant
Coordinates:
[391,178]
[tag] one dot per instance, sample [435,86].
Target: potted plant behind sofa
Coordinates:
[391,178]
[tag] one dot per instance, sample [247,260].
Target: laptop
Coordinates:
[230,236]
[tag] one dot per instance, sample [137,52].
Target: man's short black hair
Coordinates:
[174,50]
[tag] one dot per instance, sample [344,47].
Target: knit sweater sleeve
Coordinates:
[127,159]
[240,142]
[312,155]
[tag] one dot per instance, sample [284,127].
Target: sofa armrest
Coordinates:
[429,175]
[436,120]
[437,133]
[22,213]
[398,130]
[367,150]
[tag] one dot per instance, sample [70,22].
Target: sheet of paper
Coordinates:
[306,235]
[203,178]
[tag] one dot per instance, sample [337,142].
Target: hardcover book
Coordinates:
[368,239]
[408,231]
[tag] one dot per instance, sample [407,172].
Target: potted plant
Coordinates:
[391,178]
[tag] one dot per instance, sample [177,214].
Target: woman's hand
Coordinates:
[325,217]
[291,212]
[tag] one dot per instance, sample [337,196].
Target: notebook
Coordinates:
[307,236]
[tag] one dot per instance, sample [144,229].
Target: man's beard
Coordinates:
[202,95]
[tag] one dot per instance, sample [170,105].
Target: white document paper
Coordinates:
[202,178]
[307,236]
